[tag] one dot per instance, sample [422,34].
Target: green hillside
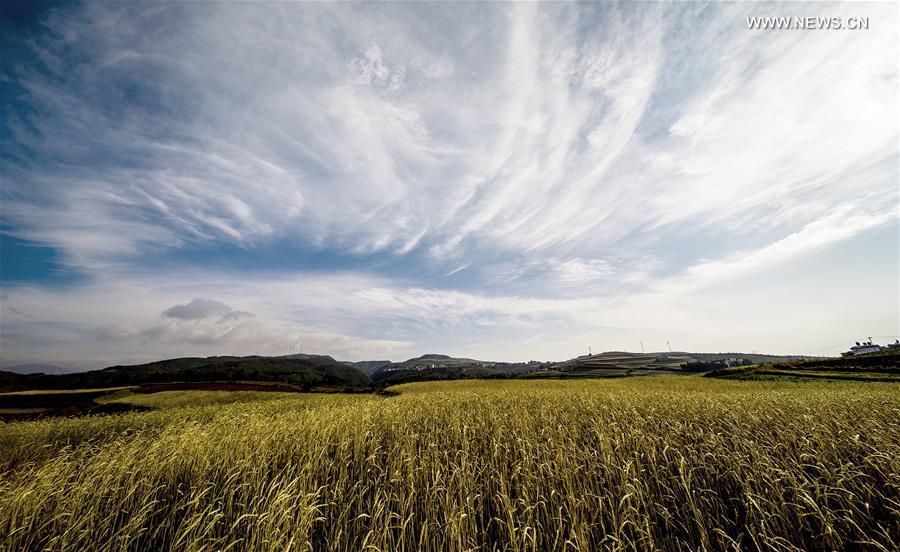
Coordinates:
[878,366]
[608,364]
[617,360]
[303,371]
[443,367]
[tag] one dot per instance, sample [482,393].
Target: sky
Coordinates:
[499,181]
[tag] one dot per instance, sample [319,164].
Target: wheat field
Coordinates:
[662,463]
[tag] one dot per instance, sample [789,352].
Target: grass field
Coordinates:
[669,463]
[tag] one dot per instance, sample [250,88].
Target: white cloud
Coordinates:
[832,228]
[584,168]
[583,269]
[785,120]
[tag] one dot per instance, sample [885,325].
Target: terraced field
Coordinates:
[616,362]
[876,367]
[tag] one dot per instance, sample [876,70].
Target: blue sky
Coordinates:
[503,181]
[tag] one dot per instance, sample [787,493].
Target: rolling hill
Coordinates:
[617,360]
[306,372]
[37,369]
[608,364]
[441,367]
[876,366]
[302,371]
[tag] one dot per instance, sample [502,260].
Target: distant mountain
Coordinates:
[304,371]
[36,369]
[434,361]
[309,371]
[441,367]
[610,362]
[619,360]
[369,367]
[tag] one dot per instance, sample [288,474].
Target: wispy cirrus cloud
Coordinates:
[519,167]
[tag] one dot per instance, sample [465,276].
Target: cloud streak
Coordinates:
[385,176]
